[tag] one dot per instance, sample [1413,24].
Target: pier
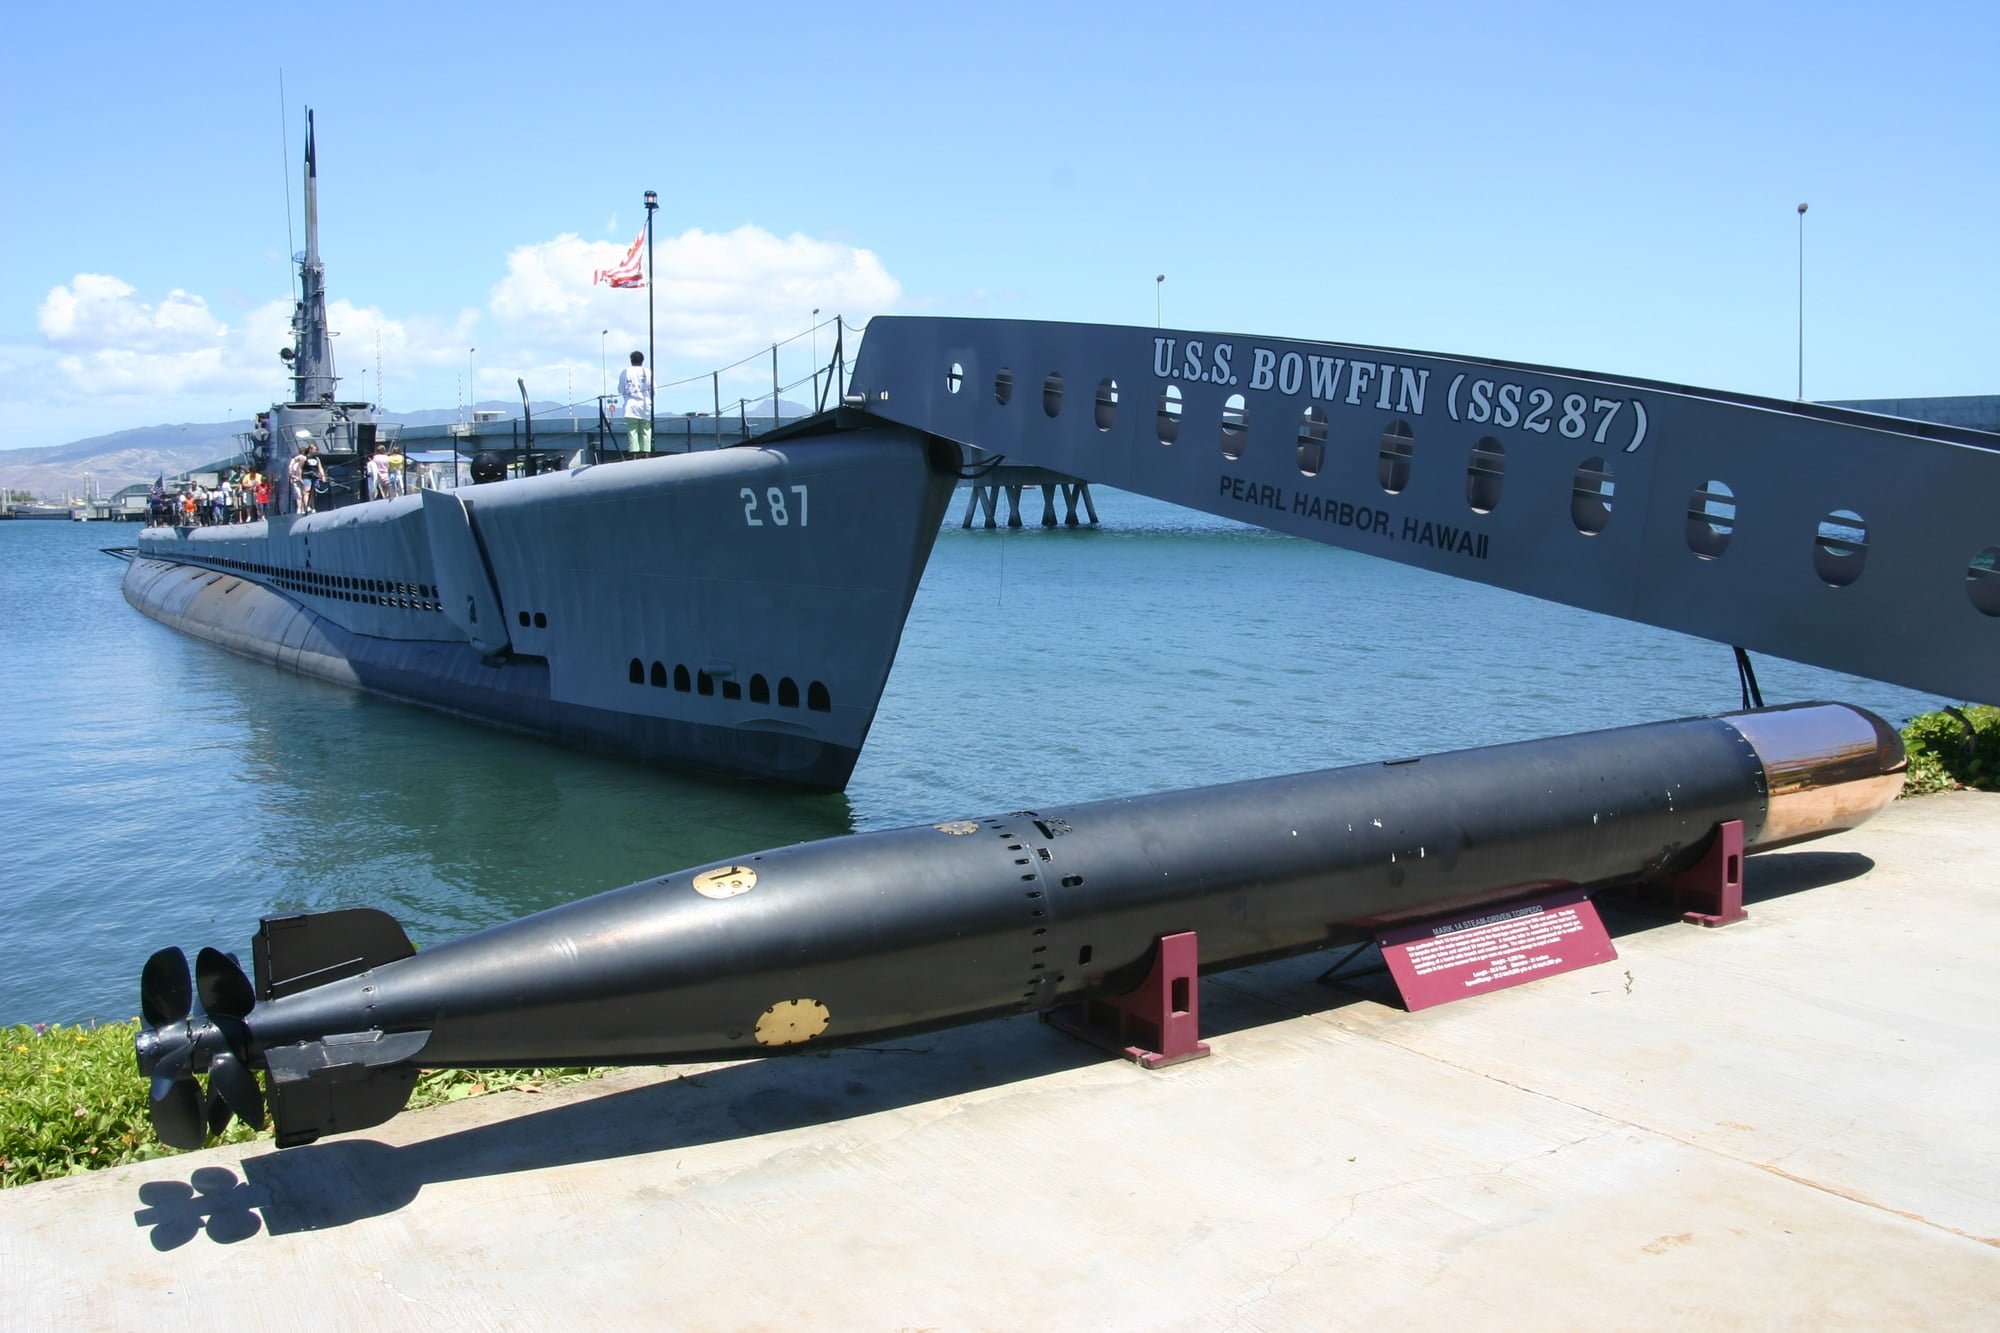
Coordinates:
[1718,1129]
[986,490]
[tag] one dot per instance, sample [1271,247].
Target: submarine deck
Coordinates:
[1785,1121]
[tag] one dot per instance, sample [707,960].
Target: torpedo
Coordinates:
[877,934]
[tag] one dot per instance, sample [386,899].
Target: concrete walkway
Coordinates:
[1793,1121]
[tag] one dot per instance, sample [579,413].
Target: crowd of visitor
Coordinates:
[385,474]
[240,495]
[244,495]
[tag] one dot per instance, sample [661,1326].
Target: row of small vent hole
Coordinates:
[1037,913]
[1840,549]
[700,682]
[341,587]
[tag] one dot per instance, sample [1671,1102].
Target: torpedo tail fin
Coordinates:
[307,949]
[340,1082]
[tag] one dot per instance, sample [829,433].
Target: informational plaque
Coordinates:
[1450,958]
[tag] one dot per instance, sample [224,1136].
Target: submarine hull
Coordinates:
[656,609]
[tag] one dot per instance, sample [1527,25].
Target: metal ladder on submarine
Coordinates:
[1851,541]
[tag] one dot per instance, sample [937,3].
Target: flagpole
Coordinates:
[652,358]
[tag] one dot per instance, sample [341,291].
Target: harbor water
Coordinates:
[155,790]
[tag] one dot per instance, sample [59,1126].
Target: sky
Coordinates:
[1606,187]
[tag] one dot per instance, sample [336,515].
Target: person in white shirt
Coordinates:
[635,386]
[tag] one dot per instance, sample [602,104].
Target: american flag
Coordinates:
[631,270]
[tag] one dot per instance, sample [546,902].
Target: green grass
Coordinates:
[71,1098]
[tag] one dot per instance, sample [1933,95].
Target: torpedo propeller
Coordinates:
[175,1047]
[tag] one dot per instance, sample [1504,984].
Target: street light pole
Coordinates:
[652,281]
[1802,303]
[815,323]
[1157,283]
[603,375]
[471,399]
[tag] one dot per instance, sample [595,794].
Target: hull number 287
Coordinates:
[773,506]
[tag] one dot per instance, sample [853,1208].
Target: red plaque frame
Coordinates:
[1449,958]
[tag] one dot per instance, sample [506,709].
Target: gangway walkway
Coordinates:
[1862,543]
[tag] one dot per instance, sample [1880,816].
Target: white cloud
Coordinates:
[97,309]
[110,345]
[113,372]
[115,356]
[721,297]
[118,353]
[550,279]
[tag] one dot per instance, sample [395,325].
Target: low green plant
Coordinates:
[435,1087]
[1953,748]
[71,1099]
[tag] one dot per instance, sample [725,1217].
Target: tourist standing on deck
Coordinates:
[304,470]
[378,473]
[635,386]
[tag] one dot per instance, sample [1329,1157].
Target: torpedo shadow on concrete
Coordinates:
[338,1181]
[1767,877]
[1360,974]
[1771,875]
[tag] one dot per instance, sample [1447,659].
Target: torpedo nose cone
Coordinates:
[1827,767]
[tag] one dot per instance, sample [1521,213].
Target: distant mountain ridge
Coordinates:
[144,452]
